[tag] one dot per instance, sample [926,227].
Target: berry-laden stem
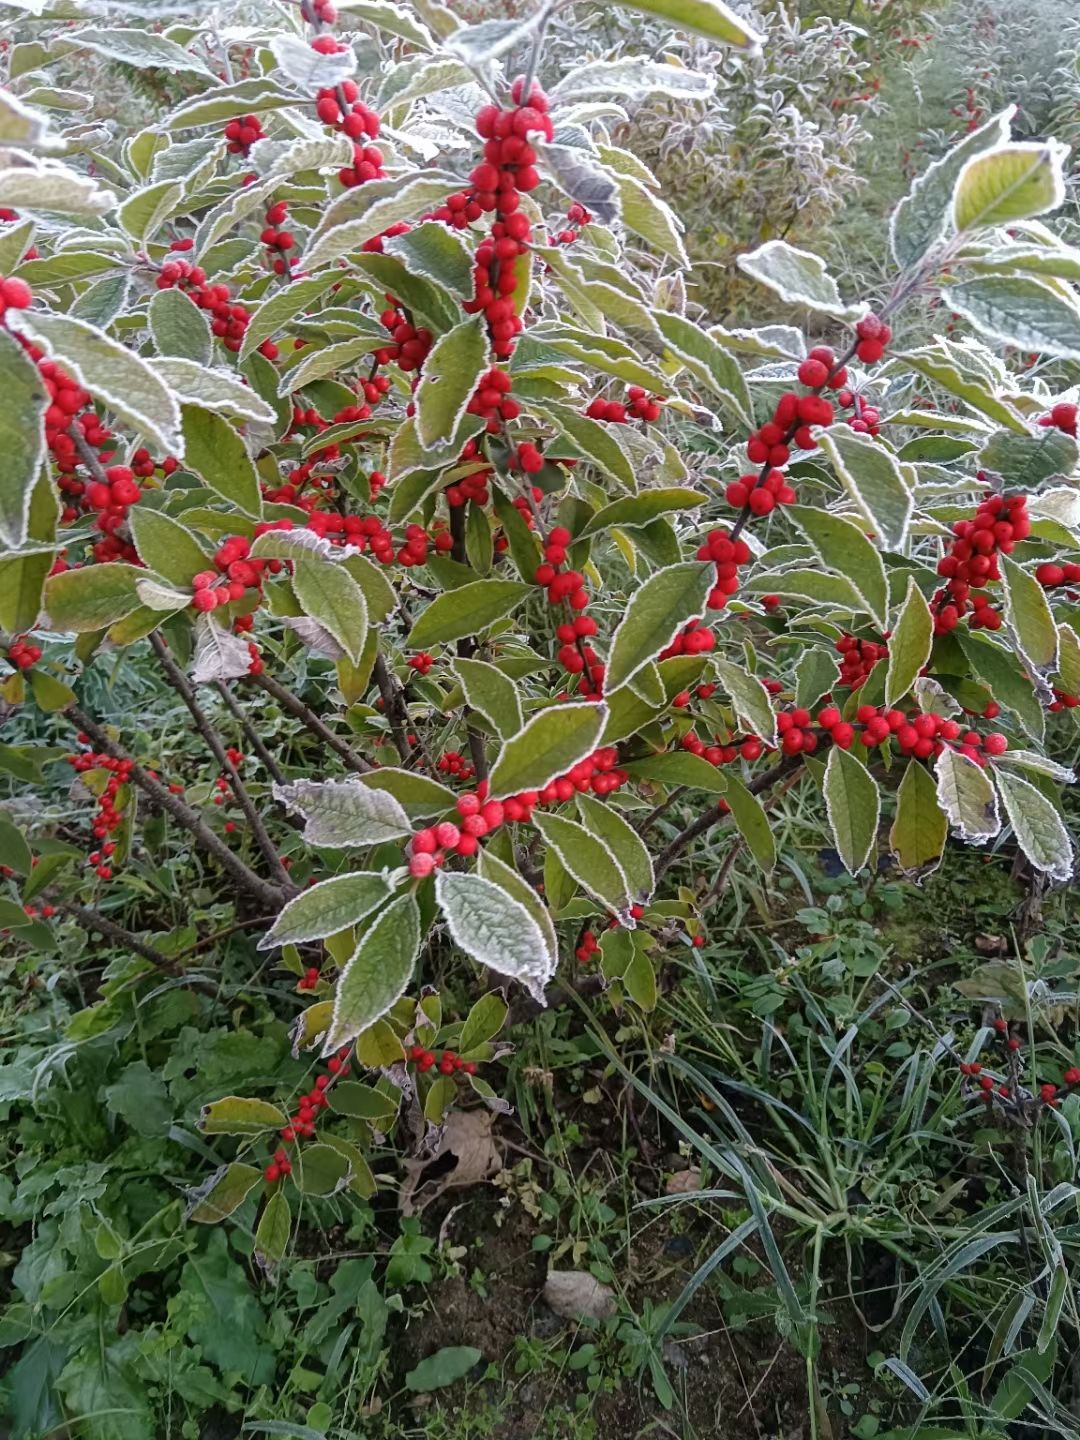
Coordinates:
[250,732]
[87,456]
[708,818]
[94,920]
[392,706]
[179,681]
[296,707]
[271,896]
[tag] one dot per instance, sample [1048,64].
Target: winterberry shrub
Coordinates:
[358,395]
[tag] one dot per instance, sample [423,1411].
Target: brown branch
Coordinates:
[271,896]
[296,707]
[465,646]
[250,733]
[86,454]
[94,920]
[208,941]
[393,705]
[179,681]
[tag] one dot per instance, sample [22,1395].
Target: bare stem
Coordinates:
[94,920]
[393,706]
[179,681]
[250,733]
[296,707]
[271,896]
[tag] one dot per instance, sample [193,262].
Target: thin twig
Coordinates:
[179,681]
[393,705]
[296,707]
[94,920]
[250,733]
[271,896]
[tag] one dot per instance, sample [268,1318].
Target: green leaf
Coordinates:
[1020,310]
[1010,182]
[281,307]
[494,929]
[874,479]
[492,693]
[466,611]
[519,889]
[141,49]
[635,511]
[593,442]
[798,277]
[910,644]
[706,358]
[483,1022]
[751,821]
[853,804]
[316,362]
[222,1193]
[967,796]
[345,814]
[815,675]
[379,972]
[639,979]
[647,215]
[608,825]
[921,218]
[321,1170]
[228,102]
[49,693]
[43,873]
[920,828]
[588,859]
[451,1363]
[1028,611]
[750,699]
[680,767]
[435,253]
[842,545]
[449,377]
[91,598]
[22,437]
[1039,829]
[330,595]
[1006,679]
[216,453]
[710,18]
[273,1232]
[239,1115]
[550,743]
[813,585]
[657,611]
[1026,460]
[165,546]
[214,389]
[327,908]
[14,851]
[116,375]
[179,327]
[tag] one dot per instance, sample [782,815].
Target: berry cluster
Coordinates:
[727,753]
[567,587]
[1062,417]
[1018,1100]
[727,554]
[359,123]
[972,562]
[278,242]
[587,946]
[410,345]
[760,494]
[242,133]
[235,575]
[639,405]
[22,654]
[310,978]
[491,399]
[448,1062]
[15,294]
[229,319]
[452,762]
[872,337]
[857,659]
[576,218]
[108,818]
[421,662]
[1050,575]
[694,639]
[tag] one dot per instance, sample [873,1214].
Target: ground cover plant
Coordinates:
[538,724]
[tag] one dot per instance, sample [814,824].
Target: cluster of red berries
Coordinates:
[279,242]
[229,319]
[301,1125]
[587,946]
[694,639]
[359,123]
[452,762]
[22,654]
[567,587]
[1051,575]
[223,783]
[1062,417]
[639,405]
[865,419]
[310,978]
[491,399]
[242,133]
[873,335]
[857,659]
[1063,701]
[921,736]
[727,554]
[972,562]
[989,1088]
[473,486]
[15,294]
[107,818]
[576,217]
[421,662]
[749,749]
[761,494]
[236,574]
[448,1062]
[411,345]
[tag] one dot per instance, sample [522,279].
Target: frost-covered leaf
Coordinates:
[909,645]
[494,929]
[22,437]
[588,860]
[344,814]
[466,611]
[239,1115]
[142,49]
[222,1193]
[378,973]
[221,391]
[1020,310]
[711,18]
[1028,613]
[492,693]
[920,828]
[967,796]
[219,654]
[749,698]
[580,177]
[215,451]
[450,374]
[875,480]
[550,743]
[656,612]
[607,824]
[853,805]
[842,546]
[179,327]
[1039,829]
[308,69]
[798,277]
[330,595]
[1010,182]
[328,907]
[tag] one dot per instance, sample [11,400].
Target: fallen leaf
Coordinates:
[683,1182]
[466,1154]
[576,1295]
